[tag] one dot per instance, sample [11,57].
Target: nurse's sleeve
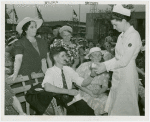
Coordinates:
[130,48]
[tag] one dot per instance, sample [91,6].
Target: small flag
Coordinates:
[39,14]
[15,14]
[74,13]
[74,16]
[6,14]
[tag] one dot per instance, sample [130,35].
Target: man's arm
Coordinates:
[51,88]
[83,82]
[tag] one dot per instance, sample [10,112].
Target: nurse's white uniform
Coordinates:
[123,97]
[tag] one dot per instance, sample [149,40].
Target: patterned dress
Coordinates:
[97,104]
[72,50]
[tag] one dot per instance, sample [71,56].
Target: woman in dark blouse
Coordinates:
[31,53]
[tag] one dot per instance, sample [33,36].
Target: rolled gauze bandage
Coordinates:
[75,99]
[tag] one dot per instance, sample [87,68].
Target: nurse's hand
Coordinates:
[100,68]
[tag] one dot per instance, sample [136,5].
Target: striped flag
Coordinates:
[6,14]
[74,13]
[74,16]
[15,14]
[39,14]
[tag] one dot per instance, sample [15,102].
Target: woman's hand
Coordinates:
[93,73]
[100,68]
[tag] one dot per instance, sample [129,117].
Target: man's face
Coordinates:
[61,58]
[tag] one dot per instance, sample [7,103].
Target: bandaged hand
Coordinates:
[99,68]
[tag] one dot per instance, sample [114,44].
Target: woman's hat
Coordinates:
[27,19]
[65,28]
[94,49]
[121,10]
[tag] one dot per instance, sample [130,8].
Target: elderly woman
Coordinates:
[98,85]
[31,53]
[66,34]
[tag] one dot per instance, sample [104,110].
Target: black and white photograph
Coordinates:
[72,59]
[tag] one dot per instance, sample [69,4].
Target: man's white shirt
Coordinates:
[53,76]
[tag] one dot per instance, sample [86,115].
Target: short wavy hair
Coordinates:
[55,51]
[119,17]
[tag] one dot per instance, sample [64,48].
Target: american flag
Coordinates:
[39,14]
[15,14]
[74,16]
[6,14]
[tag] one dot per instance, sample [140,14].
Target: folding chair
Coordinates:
[21,89]
[58,110]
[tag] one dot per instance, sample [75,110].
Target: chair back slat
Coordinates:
[36,75]
[17,80]
[21,89]
[24,88]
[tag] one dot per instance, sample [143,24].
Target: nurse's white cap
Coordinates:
[121,10]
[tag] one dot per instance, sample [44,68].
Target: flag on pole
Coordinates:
[39,14]
[15,14]
[74,13]
[74,16]
[6,14]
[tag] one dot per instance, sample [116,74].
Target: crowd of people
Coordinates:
[70,61]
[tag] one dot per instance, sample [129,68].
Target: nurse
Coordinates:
[123,97]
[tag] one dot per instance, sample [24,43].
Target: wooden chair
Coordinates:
[20,89]
[58,110]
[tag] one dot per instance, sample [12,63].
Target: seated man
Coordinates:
[59,78]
